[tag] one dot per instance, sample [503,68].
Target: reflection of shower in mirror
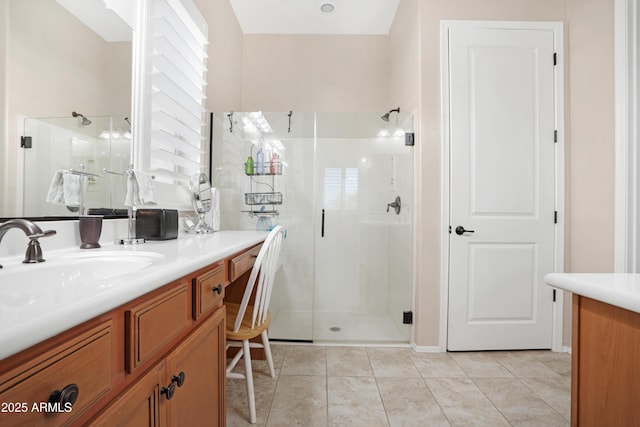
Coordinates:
[385,116]
[85,121]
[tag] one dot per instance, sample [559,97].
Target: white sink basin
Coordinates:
[69,275]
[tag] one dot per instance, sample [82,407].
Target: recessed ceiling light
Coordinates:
[327,8]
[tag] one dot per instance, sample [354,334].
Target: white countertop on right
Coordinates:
[620,290]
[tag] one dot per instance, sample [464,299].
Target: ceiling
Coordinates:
[306,17]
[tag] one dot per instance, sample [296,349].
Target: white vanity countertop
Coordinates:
[620,290]
[32,312]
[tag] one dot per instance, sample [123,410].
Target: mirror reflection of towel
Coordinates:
[64,189]
[140,189]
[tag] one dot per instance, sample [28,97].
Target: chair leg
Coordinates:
[249,378]
[267,352]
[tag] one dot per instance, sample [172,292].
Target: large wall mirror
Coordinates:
[69,91]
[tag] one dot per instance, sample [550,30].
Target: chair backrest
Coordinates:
[261,278]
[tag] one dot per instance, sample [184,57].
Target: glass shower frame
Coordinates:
[366,303]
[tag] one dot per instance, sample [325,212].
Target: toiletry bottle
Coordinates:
[260,162]
[248,167]
[278,166]
[273,165]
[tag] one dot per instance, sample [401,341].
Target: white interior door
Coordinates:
[502,121]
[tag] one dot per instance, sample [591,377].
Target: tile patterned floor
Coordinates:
[358,386]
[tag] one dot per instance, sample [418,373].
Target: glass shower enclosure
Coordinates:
[344,194]
[86,149]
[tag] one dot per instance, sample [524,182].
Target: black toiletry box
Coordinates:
[157,224]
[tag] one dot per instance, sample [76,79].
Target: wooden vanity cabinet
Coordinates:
[185,388]
[605,365]
[158,360]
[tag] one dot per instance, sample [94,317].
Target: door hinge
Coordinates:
[555,217]
[449,229]
[407,317]
[25,142]
[555,58]
[554,295]
[555,135]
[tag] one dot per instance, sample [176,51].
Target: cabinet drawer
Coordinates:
[242,263]
[84,362]
[152,324]
[208,290]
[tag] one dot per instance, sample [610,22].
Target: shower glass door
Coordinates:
[353,283]
[363,243]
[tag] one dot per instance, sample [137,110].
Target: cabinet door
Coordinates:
[139,406]
[200,400]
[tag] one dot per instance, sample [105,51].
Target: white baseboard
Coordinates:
[566,349]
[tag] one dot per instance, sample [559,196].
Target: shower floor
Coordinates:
[338,327]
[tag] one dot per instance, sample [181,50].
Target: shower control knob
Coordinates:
[460,230]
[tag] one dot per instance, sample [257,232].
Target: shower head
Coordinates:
[85,121]
[127,120]
[385,116]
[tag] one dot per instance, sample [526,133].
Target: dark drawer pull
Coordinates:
[65,397]
[218,289]
[169,390]
[178,379]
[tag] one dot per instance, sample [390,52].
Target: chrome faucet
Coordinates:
[33,232]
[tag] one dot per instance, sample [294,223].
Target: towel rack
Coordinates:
[105,170]
[127,172]
[81,173]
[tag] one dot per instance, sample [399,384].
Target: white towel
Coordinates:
[64,189]
[71,189]
[56,194]
[140,189]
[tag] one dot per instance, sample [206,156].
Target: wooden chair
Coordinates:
[245,322]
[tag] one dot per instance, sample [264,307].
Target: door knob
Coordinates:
[460,230]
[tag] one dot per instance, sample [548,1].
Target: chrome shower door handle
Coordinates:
[396,205]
